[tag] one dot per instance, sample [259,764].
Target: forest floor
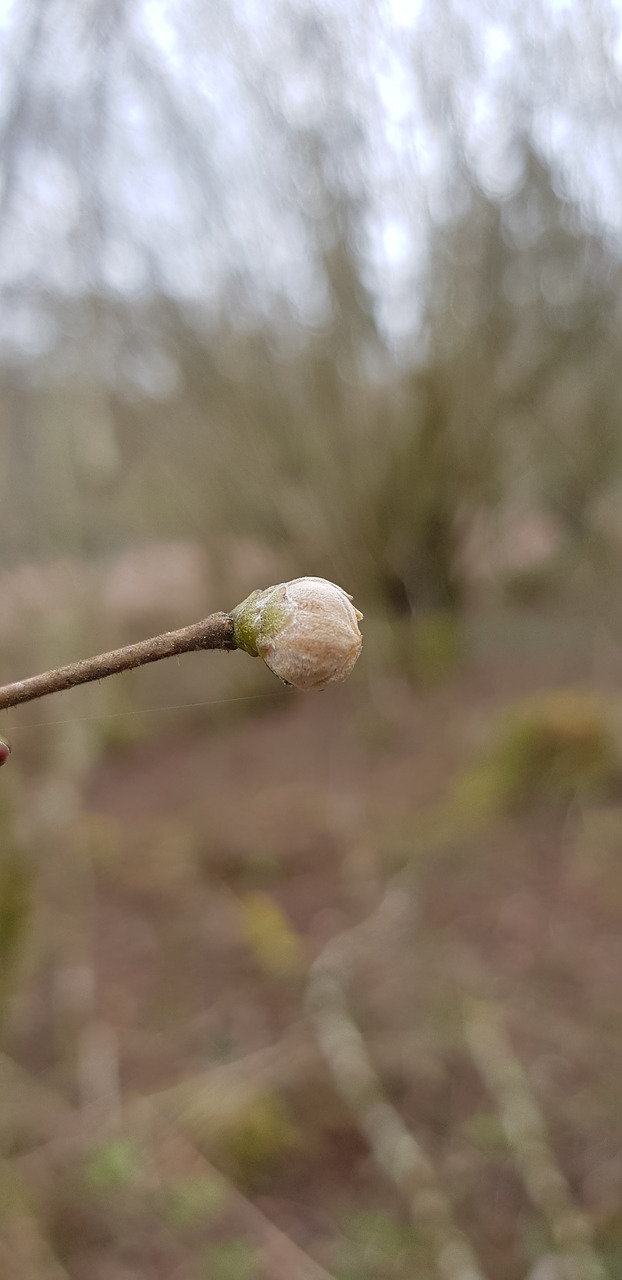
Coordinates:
[222,859]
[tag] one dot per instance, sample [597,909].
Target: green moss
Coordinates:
[257,1138]
[276,947]
[375,1245]
[113,1166]
[234,1260]
[197,1200]
[548,750]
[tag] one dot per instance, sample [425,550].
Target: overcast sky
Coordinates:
[152,144]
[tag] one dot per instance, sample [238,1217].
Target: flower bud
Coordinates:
[306,631]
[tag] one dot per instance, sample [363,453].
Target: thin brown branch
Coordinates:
[215,632]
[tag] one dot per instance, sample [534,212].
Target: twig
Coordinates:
[172,1131]
[284,1259]
[525,1130]
[395,1149]
[215,632]
[306,631]
[202,1104]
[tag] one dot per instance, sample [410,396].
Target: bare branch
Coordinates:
[215,632]
[283,1258]
[395,1149]
[525,1131]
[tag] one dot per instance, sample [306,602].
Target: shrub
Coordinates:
[551,749]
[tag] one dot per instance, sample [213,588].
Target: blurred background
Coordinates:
[301,987]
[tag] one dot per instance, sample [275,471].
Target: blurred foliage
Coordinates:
[434,348]
[16,901]
[193,1201]
[551,749]
[433,647]
[377,1245]
[256,1139]
[233,1261]
[484,1130]
[275,946]
[114,1167]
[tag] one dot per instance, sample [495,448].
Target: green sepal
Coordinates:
[259,618]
